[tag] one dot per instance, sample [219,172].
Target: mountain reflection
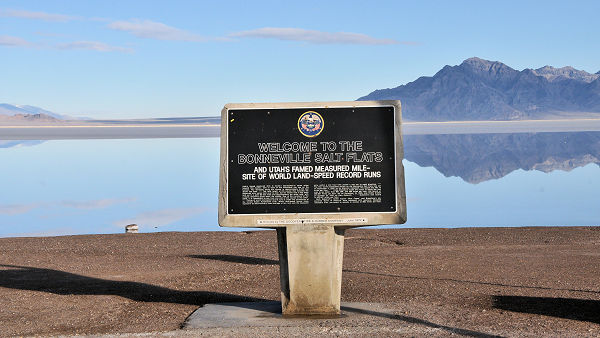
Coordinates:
[11,144]
[481,157]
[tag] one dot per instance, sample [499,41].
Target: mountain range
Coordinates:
[479,89]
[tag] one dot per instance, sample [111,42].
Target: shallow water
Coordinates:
[99,186]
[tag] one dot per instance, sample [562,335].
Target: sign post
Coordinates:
[311,170]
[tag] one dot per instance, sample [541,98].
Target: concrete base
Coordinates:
[268,314]
[310,262]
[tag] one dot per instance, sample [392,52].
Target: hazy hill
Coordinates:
[24,115]
[23,111]
[27,118]
[478,89]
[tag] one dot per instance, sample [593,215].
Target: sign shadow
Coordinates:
[66,283]
[238,259]
[569,308]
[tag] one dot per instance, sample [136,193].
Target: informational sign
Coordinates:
[337,163]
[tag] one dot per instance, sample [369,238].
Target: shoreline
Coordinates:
[199,127]
[237,229]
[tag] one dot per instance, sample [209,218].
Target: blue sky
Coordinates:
[118,59]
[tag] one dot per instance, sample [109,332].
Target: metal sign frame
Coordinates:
[343,219]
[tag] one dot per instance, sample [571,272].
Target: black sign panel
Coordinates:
[319,160]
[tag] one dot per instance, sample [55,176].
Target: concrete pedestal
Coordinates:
[310,260]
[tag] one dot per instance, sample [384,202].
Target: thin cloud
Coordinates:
[17,209]
[97,204]
[15,13]
[93,45]
[154,30]
[45,233]
[13,41]
[314,36]
[160,218]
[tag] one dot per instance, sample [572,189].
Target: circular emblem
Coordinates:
[310,124]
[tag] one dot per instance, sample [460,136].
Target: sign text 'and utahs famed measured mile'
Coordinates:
[321,163]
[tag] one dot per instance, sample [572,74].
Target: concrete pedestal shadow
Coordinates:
[310,260]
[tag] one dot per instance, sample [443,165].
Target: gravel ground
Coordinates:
[469,282]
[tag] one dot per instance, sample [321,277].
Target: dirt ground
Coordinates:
[471,281]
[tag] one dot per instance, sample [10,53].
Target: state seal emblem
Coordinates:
[310,124]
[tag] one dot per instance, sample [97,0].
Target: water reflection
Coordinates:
[481,157]
[12,144]
[99,186]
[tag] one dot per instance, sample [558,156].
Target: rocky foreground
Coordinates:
[485,281]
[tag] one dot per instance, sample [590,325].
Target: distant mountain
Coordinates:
[478,89]
[12,110]
[28,118]
[481,157]
[566,73]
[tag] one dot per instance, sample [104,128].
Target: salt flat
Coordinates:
[492,127]
[210,127]
[114,129]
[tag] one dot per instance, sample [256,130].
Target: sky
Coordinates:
[142,59]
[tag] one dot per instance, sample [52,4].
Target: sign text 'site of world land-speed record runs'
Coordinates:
[336,163]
